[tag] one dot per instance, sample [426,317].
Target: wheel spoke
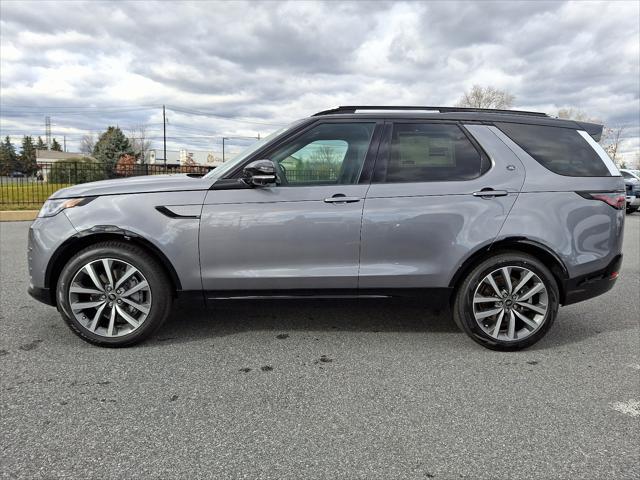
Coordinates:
[506,274]
[541,310]
[132,321]
[523,282]
[492,282]
[527,321]
[112,322]
[96,317]
[487,313]
[94,278]
[135,289]
[83,305]
[142,308]
[106,263]
[79,289]
[130,271]
[485,299]
[511,331]
[496,330]
[531,292]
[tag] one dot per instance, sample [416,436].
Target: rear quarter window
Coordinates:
[561,150]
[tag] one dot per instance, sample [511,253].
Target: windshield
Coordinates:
[226,167]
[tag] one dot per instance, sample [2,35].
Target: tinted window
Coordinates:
[424,152]
[330,153]
[561,150]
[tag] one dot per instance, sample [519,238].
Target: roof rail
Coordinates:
[354,108]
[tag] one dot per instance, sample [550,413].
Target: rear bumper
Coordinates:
[592,284]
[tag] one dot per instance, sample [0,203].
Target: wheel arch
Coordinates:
[98,234]
[519,244]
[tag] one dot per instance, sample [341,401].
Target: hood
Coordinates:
[143,184]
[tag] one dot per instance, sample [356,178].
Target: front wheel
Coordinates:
[113,294]
[632,209]
[507,302]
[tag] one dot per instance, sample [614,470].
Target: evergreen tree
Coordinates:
[56,146]
[28,156]
[111,145]
[41,145]
[8,157]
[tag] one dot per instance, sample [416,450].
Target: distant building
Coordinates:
[183,157]
[52,156]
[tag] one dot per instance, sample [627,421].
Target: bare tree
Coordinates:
[324,154]
[486,97]
[610,141]
[87,143]
[575,114]
[139,142]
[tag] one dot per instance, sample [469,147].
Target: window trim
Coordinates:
[269,149]
[384,150]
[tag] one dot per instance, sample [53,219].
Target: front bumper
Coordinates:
[42,295]
[593,284]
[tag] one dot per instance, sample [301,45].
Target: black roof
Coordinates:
[459,114]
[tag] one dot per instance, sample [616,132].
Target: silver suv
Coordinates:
[500,215]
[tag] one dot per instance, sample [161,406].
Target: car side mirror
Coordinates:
[260,173]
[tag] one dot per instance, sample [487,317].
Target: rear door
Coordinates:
[439,192]
[302,234]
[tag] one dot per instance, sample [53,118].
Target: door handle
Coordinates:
[341,198]
[490,192]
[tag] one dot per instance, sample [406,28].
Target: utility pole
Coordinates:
[47,131]
[223,139]
[64,140]
[164,134]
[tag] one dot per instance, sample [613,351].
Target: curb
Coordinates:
[17,215]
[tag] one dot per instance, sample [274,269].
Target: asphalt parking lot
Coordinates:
[319,389]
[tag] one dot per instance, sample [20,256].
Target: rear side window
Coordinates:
[427,152]
[562,150]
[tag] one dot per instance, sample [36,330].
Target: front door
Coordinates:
[300,235]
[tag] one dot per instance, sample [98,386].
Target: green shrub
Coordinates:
[76,170]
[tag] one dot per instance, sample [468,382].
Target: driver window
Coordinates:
[328,154]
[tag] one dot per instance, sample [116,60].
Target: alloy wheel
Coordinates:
[510,303]
[110,297]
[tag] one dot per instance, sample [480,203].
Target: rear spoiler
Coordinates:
[593,129]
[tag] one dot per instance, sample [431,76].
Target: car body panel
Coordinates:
[416,235]
[141,184]
[176,238]
[46,235]
[280,238]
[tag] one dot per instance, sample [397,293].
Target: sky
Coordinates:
[244,69]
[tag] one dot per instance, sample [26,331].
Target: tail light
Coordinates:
[613,199]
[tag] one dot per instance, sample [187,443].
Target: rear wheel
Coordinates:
[632,209]
[113,294]
[507,302]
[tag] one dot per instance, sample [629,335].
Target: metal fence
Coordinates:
[21,191]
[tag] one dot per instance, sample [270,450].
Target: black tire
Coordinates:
[632,209]
[159,285]
[463,304]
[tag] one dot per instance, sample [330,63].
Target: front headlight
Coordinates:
[55,206]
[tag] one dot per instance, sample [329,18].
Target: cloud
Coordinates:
[269,63]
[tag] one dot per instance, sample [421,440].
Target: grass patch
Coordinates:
[26,196]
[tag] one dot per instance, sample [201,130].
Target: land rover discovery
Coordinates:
[502,216]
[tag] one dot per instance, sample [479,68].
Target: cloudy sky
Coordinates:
[242,69]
